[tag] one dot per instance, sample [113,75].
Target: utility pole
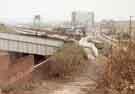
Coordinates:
[130,26]
[130,34]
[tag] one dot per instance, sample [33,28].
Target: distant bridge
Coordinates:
[16,42]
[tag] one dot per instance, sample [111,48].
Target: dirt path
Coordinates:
[75,88]
[81,85]
[78,87]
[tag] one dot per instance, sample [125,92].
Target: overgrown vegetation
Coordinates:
[70,60]
[119,76]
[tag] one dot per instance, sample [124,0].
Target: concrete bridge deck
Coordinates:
[15,42]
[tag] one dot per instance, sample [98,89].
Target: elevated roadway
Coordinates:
[15,42]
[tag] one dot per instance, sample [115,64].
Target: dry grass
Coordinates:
[119,76]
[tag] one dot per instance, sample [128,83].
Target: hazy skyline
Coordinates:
[21,10]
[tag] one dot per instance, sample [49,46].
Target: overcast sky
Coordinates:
[61,9]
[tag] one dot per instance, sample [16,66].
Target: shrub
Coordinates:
[70,60]
[119,76]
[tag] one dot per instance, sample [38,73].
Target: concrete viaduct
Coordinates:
[15,42]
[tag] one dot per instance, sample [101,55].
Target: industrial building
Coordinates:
[84,18]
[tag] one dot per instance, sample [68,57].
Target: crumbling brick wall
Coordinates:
[15,71]
[20,70]
[4,64]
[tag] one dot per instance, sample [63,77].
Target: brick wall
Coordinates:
[4,64]
[20,70]
[15,71]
